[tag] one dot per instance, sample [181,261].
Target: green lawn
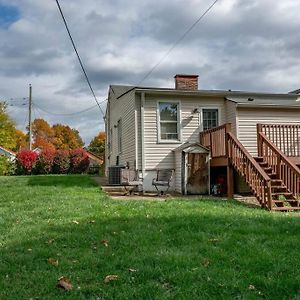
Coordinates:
[179,249]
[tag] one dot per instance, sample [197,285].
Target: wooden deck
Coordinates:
[272,176]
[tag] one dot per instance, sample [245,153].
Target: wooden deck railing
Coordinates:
[286,137]
[223,143]
[288,172]
[215,140]
[254,175]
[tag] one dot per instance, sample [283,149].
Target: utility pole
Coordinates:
[29,117]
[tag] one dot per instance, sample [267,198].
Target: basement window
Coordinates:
[168,121]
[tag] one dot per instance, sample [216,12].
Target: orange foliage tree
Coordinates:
[43,134]
[66,138]
[21,140]
[97,144]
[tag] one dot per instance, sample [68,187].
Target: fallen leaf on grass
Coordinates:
[251,287]
[75,222]
[104,243]
[50,241]
[64,283]
[110,278]
[206,262]
[53,261]
[132,270]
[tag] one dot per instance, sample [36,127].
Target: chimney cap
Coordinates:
[186,75]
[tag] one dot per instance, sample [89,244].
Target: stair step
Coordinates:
[276,182]
[287,195]
[268,169]
[279,188]
[286,208]
[259,158]
[273,175]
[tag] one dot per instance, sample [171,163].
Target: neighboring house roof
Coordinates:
[295,92]
[8,153]
[239,97]
[94,157]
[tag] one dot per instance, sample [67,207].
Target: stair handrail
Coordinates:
[246,165]
[287,171]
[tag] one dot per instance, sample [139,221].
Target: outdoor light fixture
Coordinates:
[195,111]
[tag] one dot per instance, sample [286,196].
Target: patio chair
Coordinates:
[130,180]
[163,179]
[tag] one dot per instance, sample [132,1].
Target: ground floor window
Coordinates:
[210,118]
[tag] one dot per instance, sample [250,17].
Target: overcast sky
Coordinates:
[240,45]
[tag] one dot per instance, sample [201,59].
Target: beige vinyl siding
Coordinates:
[231,115]
[124,109]
[249,117]
[160,155]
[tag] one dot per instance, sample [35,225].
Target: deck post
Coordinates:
[259,143]
[230,181]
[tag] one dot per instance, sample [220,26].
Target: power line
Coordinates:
[70,114]
[78,57]
[178,41]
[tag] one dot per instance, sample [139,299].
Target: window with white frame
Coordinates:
[169,121]
[119,126]
[210,118]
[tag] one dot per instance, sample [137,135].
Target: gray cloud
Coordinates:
[242,45]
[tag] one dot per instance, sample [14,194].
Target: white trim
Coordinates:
[201,108]
[143,133]
[162,141]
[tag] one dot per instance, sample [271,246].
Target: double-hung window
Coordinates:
[210,118]
[169,121]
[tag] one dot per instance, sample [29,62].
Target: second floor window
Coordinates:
[168,121]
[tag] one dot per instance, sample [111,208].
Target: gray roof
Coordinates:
[239,97]
[295,92]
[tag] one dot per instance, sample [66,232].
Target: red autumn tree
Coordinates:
[25,162]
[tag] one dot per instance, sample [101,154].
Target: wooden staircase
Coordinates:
[272,177]
[282,199]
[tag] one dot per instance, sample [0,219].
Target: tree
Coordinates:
[97,144]
[43,134]
[66,138]
[7,129]
[21,140]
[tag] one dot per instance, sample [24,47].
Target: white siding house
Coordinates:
[144,126]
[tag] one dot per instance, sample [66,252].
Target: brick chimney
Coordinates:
[186,82]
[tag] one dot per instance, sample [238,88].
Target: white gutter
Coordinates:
[142,133]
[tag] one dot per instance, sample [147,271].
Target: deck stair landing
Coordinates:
[282,198]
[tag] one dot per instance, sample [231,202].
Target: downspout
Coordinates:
[136,138]
[143,134]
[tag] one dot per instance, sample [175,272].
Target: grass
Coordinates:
[179,249]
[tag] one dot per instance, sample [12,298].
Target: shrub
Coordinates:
[45,161]
[7,167]
[79,161]
[61,163]
[25,162]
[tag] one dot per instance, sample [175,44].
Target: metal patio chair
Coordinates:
[130,180]
[163,179]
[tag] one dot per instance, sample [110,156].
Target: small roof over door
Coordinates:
[191,148]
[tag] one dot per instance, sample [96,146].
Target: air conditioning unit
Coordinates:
[114,175]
